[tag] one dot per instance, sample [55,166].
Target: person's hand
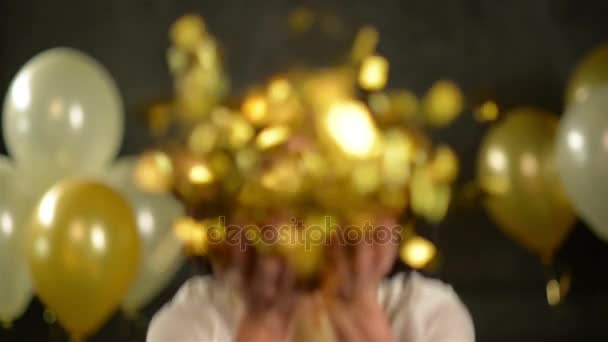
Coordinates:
[351,289]
[267,285]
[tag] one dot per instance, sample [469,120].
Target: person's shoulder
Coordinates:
[430,290]
[431,308]
[191,316]
[194,289]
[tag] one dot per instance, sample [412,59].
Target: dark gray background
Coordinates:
[518,52]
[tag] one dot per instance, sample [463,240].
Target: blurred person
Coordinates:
[255,298]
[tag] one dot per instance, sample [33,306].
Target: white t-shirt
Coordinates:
[419,309]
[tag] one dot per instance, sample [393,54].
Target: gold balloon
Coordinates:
[517,171]
[590,72]
[83,250]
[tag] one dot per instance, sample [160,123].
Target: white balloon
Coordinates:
[63,116]
[162,253]
[15,283]
[582,156]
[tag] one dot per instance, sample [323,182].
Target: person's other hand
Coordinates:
[351,286]
[267,285]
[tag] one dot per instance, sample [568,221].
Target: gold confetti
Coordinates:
[487,111]
[417,252]
[198,93]
[272,136]
[394,198]
[178,60]
[351,127]
[188,32]
[203,139]
[247,160]
[380,104]
[193,235]
[239,133]
[443,103]
[283,178]
[366,178]
[398,156]
[429,200]
[207,55]
[404,103]
[159,118]
[373,74]
[444,166]
[314,164]
[200,174]
[365,43]
[153,172]
[255,108]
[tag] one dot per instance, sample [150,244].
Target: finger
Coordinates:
[363,262]
[247,258]
[264,280]
[342,269]
[287,294]
[386,245]
[238,248]
[344,326]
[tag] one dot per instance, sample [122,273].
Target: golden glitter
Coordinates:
[352,128]
[203,139]
[417,252]
[188,32]
[398,156]
[373,74]
[279,90]
[200,174]
[443,103]
[193,234]
[272,136]
[255,108]
[404,103]
[488,111]
[153,172]
[444,166]
[365,43]
[159,118]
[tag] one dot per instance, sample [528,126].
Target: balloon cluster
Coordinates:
[537,171]
[582,145]
[94,239]
[327,147]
